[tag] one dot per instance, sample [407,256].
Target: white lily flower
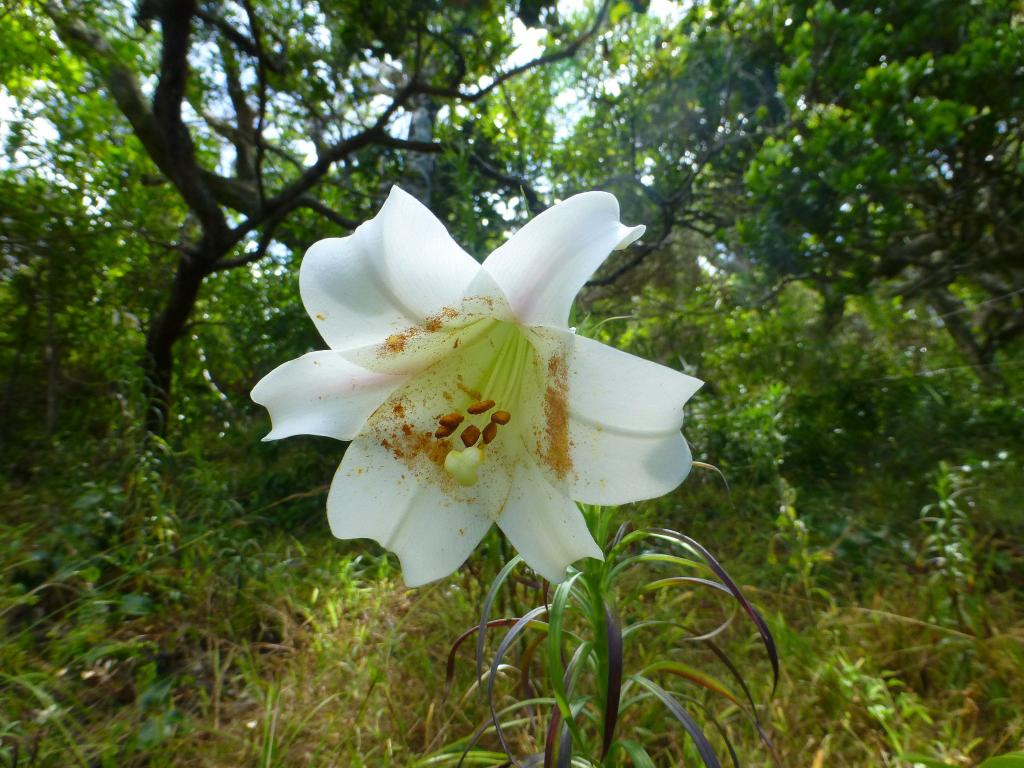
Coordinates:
[467,398]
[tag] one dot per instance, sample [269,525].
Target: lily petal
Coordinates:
[622,391]
[375,497]
[322,393]
[624,419]
[612,468]
[545,525]
[394,272]
[544,265]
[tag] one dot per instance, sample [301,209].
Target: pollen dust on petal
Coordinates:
[435,322]
[396,343]
[474,394]
[556,445]
[404,429]
[413,447]
[396,450]
[423,451]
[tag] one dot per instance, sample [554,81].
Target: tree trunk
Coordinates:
[982,359]
[418,179]
[166,329]
[833,307]
[51,353]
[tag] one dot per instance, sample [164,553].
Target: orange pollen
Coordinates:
[482,407]
[501,417]
[443,431]
[490,432]
[451,420]
[470,435]
[395,343]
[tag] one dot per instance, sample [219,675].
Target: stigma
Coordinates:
[463,465]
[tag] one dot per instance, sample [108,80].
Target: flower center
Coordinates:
[478,426]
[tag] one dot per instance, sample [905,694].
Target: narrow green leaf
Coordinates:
[659,557]
[552,739]
[1009,760]
[694,675]
[450,665]
[517,629]
[485,610]
[626,527]
[637,754]
[556,671]
[526,662]
[707,754]
[755,616]
[613,687]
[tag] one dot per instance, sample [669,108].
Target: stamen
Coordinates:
[501,417]
[490,432]
[451,420]
[470,435]
[482,407]
[443,431]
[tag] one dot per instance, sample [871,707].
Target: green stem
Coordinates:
[595,577]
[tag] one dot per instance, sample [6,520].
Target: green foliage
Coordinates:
[793,537]
[924,109]
[617,644]
[833,194]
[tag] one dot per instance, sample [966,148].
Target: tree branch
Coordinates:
[176,25]
[266,238]
[288,198]
[326,211]
[120,80]
[517,183]
[239,40]
[640,253]
[410,145]
[454,92]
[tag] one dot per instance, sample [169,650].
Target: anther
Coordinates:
[482,407]
[470,435]
[451,420]
[490,432]
[443,431]
[501,417]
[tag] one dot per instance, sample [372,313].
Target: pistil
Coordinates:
[463,465]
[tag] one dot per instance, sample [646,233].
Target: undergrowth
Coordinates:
[159,609]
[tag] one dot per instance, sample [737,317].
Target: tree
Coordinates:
[254,112]
[674,109]
[902,170]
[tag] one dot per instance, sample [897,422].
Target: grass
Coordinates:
[159,609]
